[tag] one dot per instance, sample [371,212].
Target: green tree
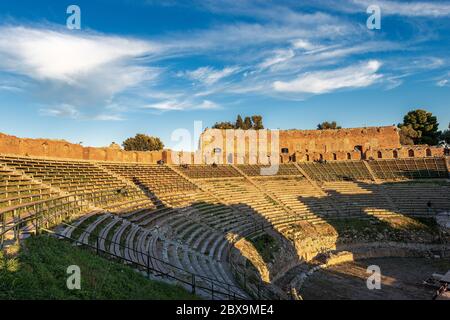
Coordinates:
[257,122]
[408,135]
[239,123]
[247,123]
[446,135]
[425,124]
[223,125]
[142,142]
[328,125]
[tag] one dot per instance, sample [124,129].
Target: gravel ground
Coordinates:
[401,280]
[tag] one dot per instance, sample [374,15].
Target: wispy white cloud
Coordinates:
[278,49]
[281,55]
[442,83]
[357,76]
[72,112]
[9,88]
[63,111]
[74,69]
[45,54]
[303,44]
[208,105]
[209,75]
[405,8]
[167,105]
[409,8]
[108,117]
[178,105]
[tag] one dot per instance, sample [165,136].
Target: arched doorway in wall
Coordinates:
[360,150]
[395,154]
[379,155]
[45,148]
[334,156]
[429,152]
[66,150]
[230,158]
[349,156]
[411,153]
[321,157]
[307,157]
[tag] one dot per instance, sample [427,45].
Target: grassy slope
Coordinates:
[266,245]
[38,271]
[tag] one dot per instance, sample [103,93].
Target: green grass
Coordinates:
[404,229]
[266,245]
[38,271]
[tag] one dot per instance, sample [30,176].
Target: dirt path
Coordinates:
[401,279]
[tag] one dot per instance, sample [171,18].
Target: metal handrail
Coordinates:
[38,208]
[214,289]
[38,213]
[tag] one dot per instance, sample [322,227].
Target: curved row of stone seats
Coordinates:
[196,238]
[167,207]
[195,228]
[20,220]
[300,196]
[130,205]
[247,198]
[360,199]
[422,199]
[176,256]
[414,168]
[199,171]
[197,221]
[16,190]
[336,170]
[286,169]
[196,206]
[154,179]
[78,178]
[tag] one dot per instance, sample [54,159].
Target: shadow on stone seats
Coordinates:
[368,207]
[149,192]
[253,250]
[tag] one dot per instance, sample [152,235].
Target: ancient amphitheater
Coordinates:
[225,231]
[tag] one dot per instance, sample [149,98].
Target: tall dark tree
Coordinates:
[247,123]
[446,135]
[257,122]
[328,125]
[424,124]
[239,123]
[143,142]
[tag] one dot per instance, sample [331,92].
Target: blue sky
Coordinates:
[157,66]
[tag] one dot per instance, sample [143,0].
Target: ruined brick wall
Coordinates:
[302,145]
[299,145]
[62,149]
[421,151]
[342,140]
